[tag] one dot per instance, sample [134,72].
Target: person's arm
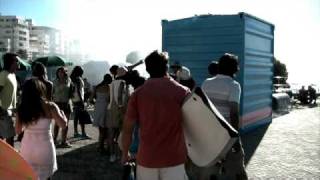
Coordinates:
[81,90]
[18,125]
[128,126]
[130,68]
[127,129]
[2,81]
[234,101]
[234,115]
[79,85]
[50,91]
[58,115]
[120,94]
[111,94]
[93,96]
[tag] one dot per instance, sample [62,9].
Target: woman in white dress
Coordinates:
[35,115]
[101,114]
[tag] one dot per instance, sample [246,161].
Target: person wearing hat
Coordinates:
[119,96]
[183,76]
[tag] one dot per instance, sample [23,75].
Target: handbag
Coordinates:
[129,170]
[85,117]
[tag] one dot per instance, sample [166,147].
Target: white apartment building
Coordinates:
[5,44]
[39,41]
[18,34]
[14,34]
[47,39]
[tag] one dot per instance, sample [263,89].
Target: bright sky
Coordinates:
[111,29]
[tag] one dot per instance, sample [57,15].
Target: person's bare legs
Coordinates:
[102,137]
[55,132]
[65,131]
[75,122]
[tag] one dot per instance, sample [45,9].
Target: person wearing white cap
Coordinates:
[183,76]
[119,95]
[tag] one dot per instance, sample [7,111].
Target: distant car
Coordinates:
[282,88]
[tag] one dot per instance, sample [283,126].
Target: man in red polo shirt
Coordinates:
[156,107]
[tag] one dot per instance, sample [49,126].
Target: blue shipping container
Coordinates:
[196,41]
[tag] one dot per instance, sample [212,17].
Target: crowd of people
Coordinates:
[138,119]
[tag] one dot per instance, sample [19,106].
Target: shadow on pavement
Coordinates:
[85,163]
[251,141]
[313,105]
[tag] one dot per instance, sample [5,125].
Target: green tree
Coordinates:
[280,69]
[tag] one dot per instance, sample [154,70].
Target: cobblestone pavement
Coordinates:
[288,148]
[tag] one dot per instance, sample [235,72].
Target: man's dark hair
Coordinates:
[8,60]
[156,64]
[213,68]
[113,69]
[107,79]
[228,64]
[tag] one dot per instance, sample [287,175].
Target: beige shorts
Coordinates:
[169,173]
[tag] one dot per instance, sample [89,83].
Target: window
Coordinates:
[22,32]
[22,39]
[20,44]
[1,43]
[8,31]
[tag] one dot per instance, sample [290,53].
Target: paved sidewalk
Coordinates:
[289,148]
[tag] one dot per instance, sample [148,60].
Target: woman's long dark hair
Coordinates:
[39,70]
[76,73]
[57,72]
[33,95]
[107,79]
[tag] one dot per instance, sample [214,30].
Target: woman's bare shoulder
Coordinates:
[49,107]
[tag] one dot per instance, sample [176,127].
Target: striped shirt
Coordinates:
[222,90]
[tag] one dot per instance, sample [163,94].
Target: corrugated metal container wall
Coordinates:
[196,41]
